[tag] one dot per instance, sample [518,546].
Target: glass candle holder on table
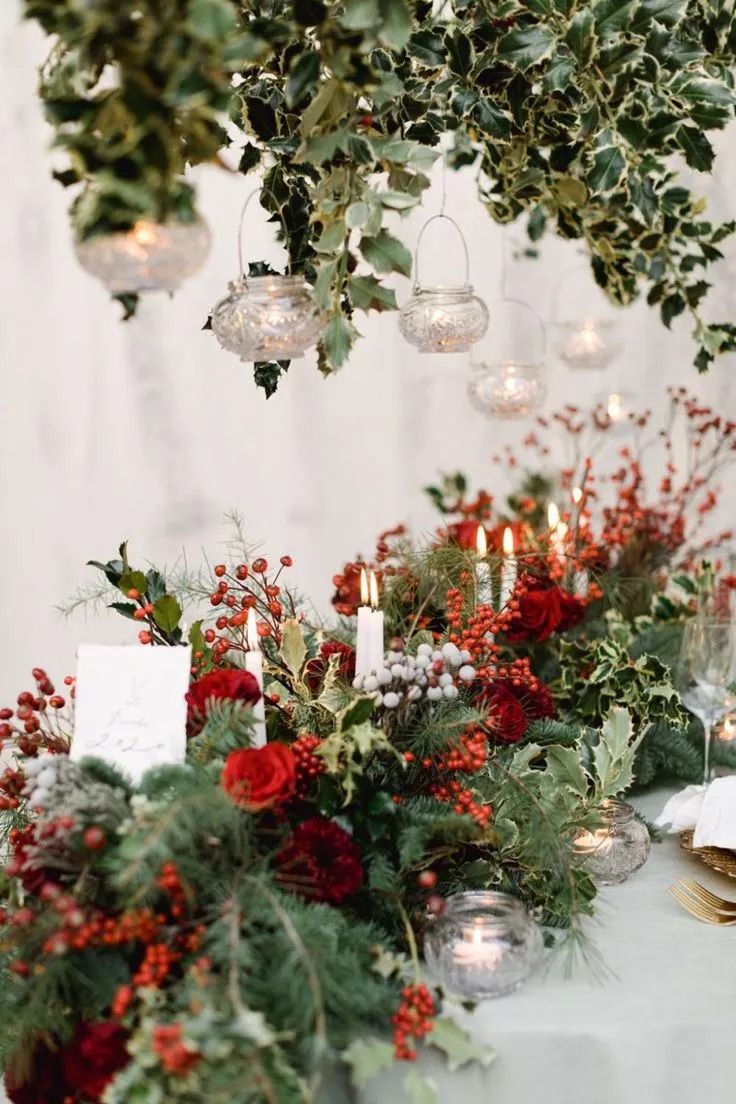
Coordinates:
[619,847]
[485,944]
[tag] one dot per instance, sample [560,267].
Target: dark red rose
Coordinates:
[45,1083]
[540,612]
[505,717]
[321,861]
[226,685]
[96,1053]
[316,669]
[259,778]
[573,611]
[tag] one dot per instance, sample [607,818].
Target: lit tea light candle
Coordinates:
[557,528]
[483,588]
[596,842]
[254,664]
[472,949]
[508,567]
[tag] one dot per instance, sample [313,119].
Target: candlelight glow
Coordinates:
[251,632]
[508,541]
[577,495]
[373,585]
[481,544]
[364,596]
[553,516]
[615,412]
[145,233]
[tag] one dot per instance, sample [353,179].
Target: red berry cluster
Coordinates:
[169,880]
[174,1054]
[462,800]
[34,724]
[237,591]
[308,765]
[412,1020]
[469,756]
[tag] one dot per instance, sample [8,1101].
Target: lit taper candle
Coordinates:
[508,567]
[254,664]
[483,586]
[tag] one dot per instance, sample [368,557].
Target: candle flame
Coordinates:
[577,495]
[373,584]
[481,544]
[364,596]
[251,632]
[508,541]
[145,233]
[553,516]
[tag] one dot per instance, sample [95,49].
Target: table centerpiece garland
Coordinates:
[605,592]
[236,927]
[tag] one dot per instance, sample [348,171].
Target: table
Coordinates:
[660,1031]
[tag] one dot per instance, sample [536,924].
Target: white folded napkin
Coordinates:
[716,826]
[682,810]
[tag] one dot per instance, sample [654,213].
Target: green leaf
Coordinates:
[126,609]
[613,755]
[167,612]
[526,46]
[356,713]
[337,340]
[303,76]
[608,168]
[428,47]
[133,580]
[267,374]
[357,214]
[212,20]
[559,74]
[566,769]
[367,293]
[385,253]
[293,650]
[459,53]
[491,119]
[196,637]
[668,12]
[367,1058]
[699,153]
[581,35]
[420,1090]
[613,15]
[455,1042]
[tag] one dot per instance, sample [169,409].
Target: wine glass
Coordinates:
[706,675]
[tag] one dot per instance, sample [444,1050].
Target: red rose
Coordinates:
[506,717]
[321,861]
[317,668]
[540,612]
[537,702]
[227,685]
[45,1081]
[259,778]
[573,611]
[96,1053]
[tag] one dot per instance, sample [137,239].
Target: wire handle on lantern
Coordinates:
[241,224]
[447,218]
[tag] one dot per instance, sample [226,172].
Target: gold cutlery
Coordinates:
[706,897]
[700,910]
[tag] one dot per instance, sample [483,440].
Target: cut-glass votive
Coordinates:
[443,319]
[267,318]
[151,256]
[619,847]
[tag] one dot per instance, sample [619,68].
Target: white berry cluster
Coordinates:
[433,673]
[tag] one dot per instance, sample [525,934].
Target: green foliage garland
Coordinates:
[569,114]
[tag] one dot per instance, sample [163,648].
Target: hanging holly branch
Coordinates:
[569,115]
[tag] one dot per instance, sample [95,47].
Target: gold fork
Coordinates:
[706,913]
[706,897]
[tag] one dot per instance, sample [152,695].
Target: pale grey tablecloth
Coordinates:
[662,1030]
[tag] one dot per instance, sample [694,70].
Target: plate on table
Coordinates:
[718,857]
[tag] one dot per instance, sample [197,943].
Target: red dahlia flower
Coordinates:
[225,685]
[260,778]
[322,861]
[317,667]
[96,1053]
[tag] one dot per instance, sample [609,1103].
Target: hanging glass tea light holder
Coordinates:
[270,317]
[616,409]
[589,341]
[151,256]
[443,318]
[510,381]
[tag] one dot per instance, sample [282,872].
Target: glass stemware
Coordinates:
[706,675]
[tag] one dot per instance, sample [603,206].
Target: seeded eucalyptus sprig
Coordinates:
[569,113]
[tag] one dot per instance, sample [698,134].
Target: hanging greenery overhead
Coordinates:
[567,113]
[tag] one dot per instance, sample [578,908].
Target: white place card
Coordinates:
[130,707]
